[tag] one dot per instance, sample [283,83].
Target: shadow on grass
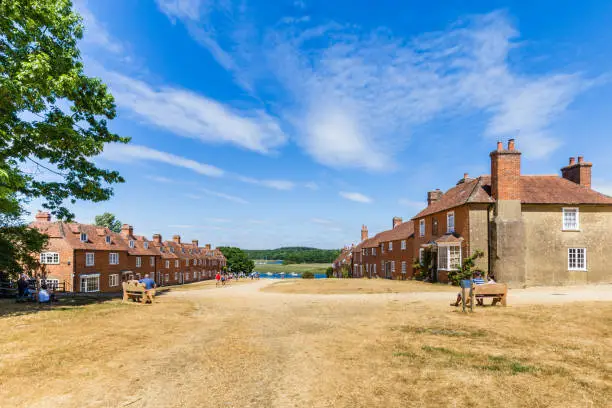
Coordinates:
[10,308]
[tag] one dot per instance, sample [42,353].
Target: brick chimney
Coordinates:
[579,173]
[195,242]
[43,216]
[177,239]
[506,172]
[208,246]
[127,230]
[157,238]
[433,196]
[364,232]
[397,221]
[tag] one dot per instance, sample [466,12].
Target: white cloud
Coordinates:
[358,197]
[181,8]
[311,185]
[188,114]
[354,97]
[224,196]
[130,152]
[161,179]
[94,32]
[275,184]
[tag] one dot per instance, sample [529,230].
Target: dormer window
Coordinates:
[107,239]
[131,244]
[171,249]
[83,237]
[145,245]
[183,250]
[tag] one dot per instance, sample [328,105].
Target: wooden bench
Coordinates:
[137,292]
[498,291]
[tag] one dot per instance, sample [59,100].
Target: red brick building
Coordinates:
[88,258]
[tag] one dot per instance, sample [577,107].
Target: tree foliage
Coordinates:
[53,120]
[109,221]
[237,260]
[295,254]
[466,269]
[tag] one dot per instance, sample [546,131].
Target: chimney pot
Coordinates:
[177,239]
[127,230]
[157,238]
[511,145]
[581,159]
[466,176]
[207,246]
[572,161]
[397,221]
[500,146]
[43,216]
[194,242]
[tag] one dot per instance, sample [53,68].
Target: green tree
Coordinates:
[109,221]
[53,120]
[237,260]
[466,269]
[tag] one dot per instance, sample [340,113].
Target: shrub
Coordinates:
[466,269]
[307,275]
[329,272]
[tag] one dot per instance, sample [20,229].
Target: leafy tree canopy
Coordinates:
[53,119]
[296,254]
[237,260]
[109,221]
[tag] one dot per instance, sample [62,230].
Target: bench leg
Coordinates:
[503,300]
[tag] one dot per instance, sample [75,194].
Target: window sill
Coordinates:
[571,230]
[577,270]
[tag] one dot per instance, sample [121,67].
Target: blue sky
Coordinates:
[264,124]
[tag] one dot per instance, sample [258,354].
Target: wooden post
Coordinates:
[472,296]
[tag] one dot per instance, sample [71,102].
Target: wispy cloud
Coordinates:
[95,32]
[311,185]
[224,196]
[321,221]
[358,197]
[275,184]
[412,203]
[189,114]
[355,96]
[128,153]
[160,179]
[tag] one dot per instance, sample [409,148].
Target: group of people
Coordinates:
[478,280]
[24,293]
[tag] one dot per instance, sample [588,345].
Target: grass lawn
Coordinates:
[349,286]
[242,347]
[292,268]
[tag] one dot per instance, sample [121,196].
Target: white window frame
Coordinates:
[447,249]
[152,261]
[175,275]
[83,237]
[138,262]
[450,215]
[195,262]
[390,245]
[167,278]
[568,210]
[51,283]
[176,263]
[569,259]
[90,258]
[131,243]
[112,255]
[421,255]
[107,239]
[382,247]
[392,266]
[422,227]
[403,267]
[145,245]
[403,245]
[167,264]
[186,262]
[50,258]
[113,280]
[86,278]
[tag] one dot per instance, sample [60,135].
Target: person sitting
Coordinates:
[148,282]
[477,280]
[491,279]
[43,295]
[22,288]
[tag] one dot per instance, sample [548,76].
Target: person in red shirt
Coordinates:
[218,278]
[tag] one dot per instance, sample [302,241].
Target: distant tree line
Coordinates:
[295,254]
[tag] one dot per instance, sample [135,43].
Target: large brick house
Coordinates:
[533,230]
[396,250]
[89,258]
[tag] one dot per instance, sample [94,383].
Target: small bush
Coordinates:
[307,275]
[329,272]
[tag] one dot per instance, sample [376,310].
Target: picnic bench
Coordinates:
[137,292]
[497,291]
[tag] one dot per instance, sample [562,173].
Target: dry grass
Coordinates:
[244,348]
[352,286]
[208,284]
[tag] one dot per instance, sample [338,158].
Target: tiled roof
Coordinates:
[402,231]
[371,242]
[534,190]
[449,239]
[472,191]
[71,232]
